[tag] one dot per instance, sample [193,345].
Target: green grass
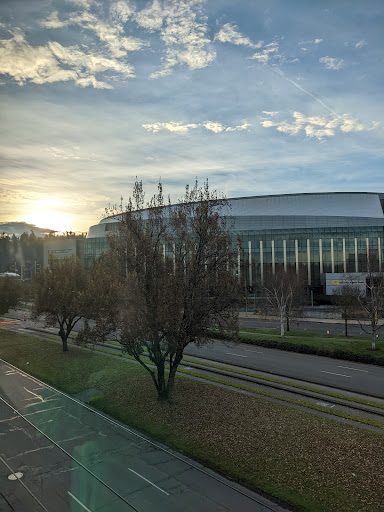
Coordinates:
[309,461]
[340,347]
[286,383]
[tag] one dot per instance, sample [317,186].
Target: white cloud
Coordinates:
[171,126]
[23,62]
[183,30]
[314,126]
[110,33]
[212,126]
[55,63]
[269,113]
[122,10]
[238,128]
[360,44]
[152,17]
[331,63]
[318,41]
[268,51]
[229,34]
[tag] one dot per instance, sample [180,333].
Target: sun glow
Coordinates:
[55,221]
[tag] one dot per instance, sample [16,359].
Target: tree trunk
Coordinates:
[346,326]
[282,326]
[373,340]
[287,323]
[65,343]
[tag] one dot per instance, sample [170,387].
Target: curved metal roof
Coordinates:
[295,210]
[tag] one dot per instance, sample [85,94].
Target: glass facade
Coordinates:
[310,251]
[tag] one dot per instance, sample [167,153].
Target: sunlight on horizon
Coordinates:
[56,221]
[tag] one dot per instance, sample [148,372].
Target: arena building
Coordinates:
[317,234]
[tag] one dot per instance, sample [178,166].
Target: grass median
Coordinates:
[308,461]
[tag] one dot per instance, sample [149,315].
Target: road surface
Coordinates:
[57,454]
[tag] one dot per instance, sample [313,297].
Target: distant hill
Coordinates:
[18,228]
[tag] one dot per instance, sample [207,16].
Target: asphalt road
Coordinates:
[362,378]
[62,456]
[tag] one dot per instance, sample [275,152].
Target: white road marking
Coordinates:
[238,355]
[255,351]
[15,476]
[154,485]
[34,394]
[356,369]
[339,374]
[79,502]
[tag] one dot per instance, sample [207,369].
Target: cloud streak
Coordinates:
[211,126]
[317,127]
[55,63]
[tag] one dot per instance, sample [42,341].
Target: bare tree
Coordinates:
[347,299]
[284,293]
[60,294]
[175,268]
[11,293]
[371,318]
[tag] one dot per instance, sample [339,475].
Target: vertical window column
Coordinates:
[297,255]
[273,256]
[238,262]
[309,260]
[356,257]
[285,254]
[344,258]
[321,255]
[367,244]
[332,257]
[250,262]
[261,261]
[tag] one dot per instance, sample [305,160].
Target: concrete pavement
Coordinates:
[73,458]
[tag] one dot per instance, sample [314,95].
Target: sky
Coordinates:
[257,96]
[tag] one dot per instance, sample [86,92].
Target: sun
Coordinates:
[56,221]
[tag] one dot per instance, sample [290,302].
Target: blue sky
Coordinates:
[260,97]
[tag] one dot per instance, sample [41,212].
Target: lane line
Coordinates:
[154,485]
[356,369]
[238,355]
[78,501]
[339,374]
[254,351]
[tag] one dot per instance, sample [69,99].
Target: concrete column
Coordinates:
[344,258]
[261,262]
[309,261]
[297,255]
[285,254]
[356,257]
[321,255]
[379,251]
[367,244]
[273,256]
[250,262]
[332,257]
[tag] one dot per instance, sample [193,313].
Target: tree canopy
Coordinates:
[174,269]
[60,293]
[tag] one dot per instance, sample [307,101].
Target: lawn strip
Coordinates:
[285,383]
[310,461]
[295,401]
